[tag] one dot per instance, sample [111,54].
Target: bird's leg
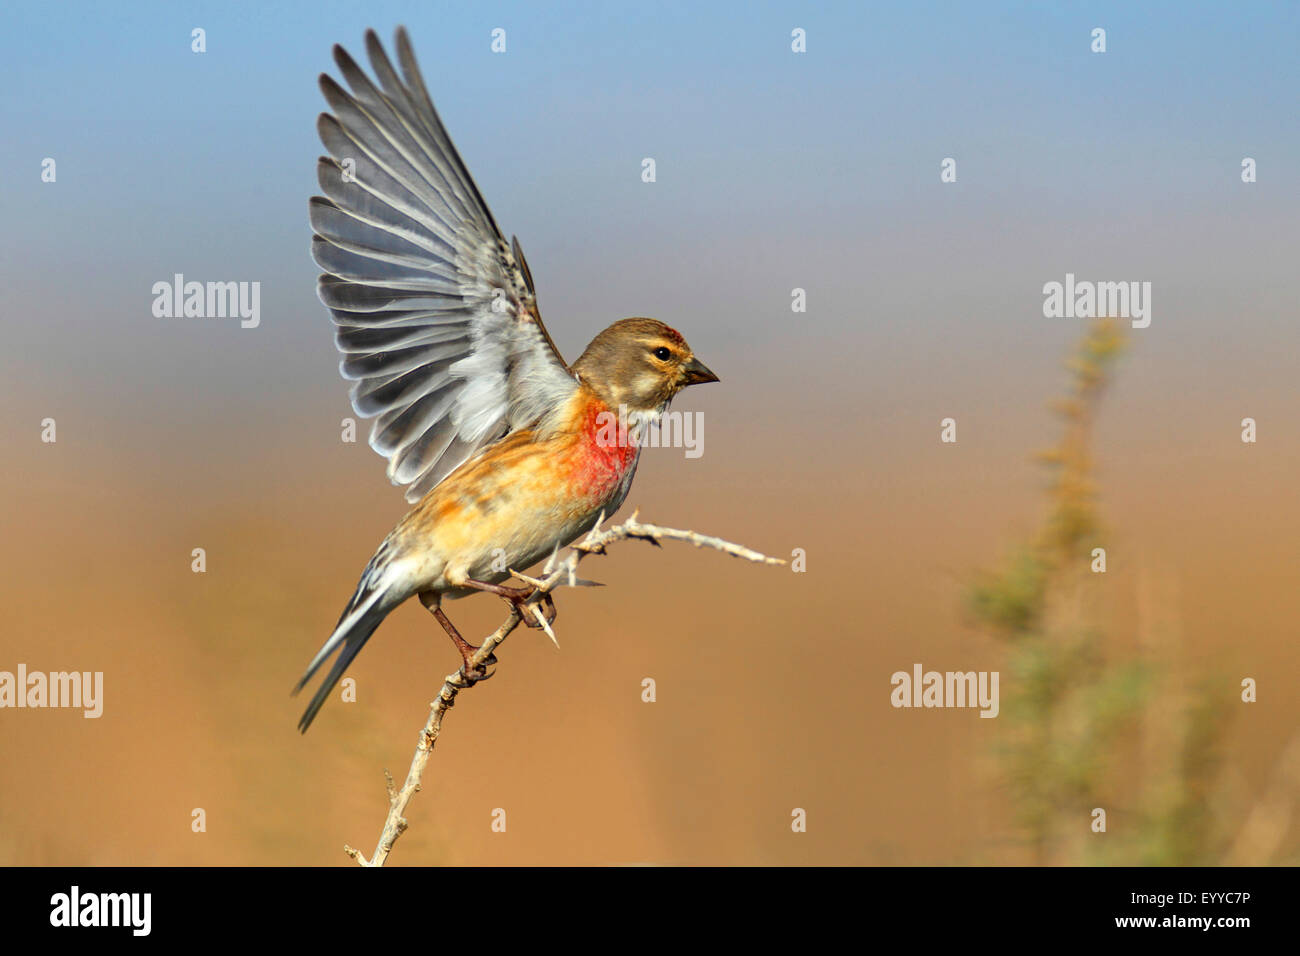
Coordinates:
[517,597]
[473,673]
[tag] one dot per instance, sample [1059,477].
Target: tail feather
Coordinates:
[364,613]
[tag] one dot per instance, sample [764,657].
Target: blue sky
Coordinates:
[774,169]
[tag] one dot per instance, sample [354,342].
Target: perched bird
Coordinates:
[508,453]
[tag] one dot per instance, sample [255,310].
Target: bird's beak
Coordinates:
[697,373]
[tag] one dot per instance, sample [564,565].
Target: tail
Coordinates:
[375,597]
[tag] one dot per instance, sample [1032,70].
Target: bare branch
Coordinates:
[558,572]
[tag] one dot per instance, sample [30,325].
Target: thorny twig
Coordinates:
[558,572]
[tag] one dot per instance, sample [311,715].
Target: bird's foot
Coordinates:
[530,617]
[473,673]
[518,598]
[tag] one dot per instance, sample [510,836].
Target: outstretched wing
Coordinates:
[437,316]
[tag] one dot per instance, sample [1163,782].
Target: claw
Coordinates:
[474,674]
[532,615]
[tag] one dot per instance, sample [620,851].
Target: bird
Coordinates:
[506,452]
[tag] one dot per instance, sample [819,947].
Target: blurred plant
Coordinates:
[1072,705]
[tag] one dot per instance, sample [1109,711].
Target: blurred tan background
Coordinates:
[773,687]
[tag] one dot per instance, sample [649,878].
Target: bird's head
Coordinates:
[641,364]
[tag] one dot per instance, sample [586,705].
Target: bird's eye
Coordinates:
[662,354]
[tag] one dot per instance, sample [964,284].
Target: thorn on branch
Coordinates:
[544,624]
[526,579]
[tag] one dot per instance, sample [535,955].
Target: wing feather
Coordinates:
[436,314]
